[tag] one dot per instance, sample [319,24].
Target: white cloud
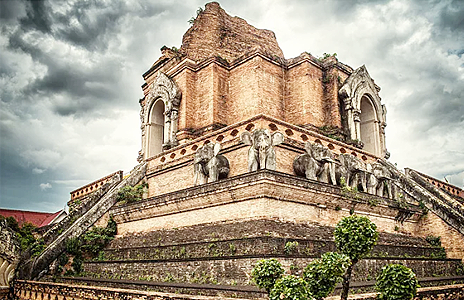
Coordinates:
[45,186]
[38,171]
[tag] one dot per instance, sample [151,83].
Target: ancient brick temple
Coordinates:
[245,151]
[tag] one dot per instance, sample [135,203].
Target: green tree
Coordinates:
[321,275]
[266,272]
[290,288]
[355,236]
[396,282]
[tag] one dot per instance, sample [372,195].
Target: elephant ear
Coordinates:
[216,149]
[277,138]
[309,148]
[246,138]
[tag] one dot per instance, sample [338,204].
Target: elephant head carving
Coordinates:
[317,163]
[380,180]
[209,165]
[261,154]
[353,170]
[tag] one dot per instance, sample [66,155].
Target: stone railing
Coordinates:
[88,201]
[32,268]
[453,190]
[92,187]
[441,204]
[32,290]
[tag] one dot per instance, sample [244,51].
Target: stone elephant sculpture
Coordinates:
[353,170]
[209,165]
[317,163]
[261,154]
[380,180]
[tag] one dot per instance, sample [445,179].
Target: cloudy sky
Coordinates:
[70,77]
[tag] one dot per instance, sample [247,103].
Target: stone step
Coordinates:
[241,229]
[242,291]
[237,270]
[258,246]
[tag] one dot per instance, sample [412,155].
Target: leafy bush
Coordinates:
[77,264]
[266,272]
[396,282]
[290,247]
[38,247]
[94,240]
[131,194]
[355,236]
[290,288]
[435,241]
[73,246]
[323,274]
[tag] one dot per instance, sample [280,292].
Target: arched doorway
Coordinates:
[156,129]
[369,131]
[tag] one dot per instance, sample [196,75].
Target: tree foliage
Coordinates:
[24,233]
[323,274]
[94,240]
[266,272]
[290,288]
[355,236]
[396,282]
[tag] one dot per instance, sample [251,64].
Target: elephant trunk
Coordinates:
[262,157]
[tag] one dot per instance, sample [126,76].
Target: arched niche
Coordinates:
[156,128]
[364,114]
[159,116]
[369,132]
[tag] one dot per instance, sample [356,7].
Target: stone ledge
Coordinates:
[262,184]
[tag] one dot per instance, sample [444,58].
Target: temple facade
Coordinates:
[243,152]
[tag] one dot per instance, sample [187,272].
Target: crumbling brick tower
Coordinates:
[245,151]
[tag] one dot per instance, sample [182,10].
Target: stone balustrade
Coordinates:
[92,187]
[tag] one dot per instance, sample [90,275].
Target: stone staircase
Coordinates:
[445,206]
[31,268]
[216,259]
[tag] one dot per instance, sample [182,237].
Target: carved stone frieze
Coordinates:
[318,163]
[261,154]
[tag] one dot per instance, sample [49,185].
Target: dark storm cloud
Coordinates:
[11,10]
[89,24]
[452,16]
[86,24]
[37,16]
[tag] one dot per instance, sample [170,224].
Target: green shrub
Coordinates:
[38,247]
[355,236]
[396,282]
[73,246]
[131,194]
[290,288]
[435,241]
[26,237]
[266,272]
[290,247]
[323,274]
[77,265]
[95,239]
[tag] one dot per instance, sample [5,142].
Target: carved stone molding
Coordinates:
[162,89]
[357,86]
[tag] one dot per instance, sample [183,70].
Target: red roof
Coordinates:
[39,219]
